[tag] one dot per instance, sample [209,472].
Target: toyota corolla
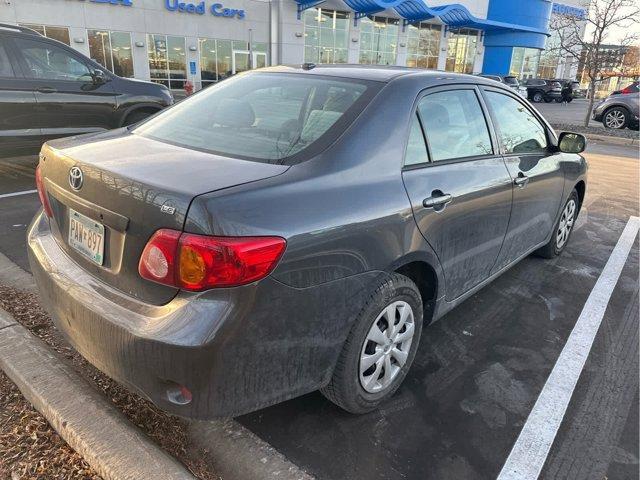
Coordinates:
[293,229]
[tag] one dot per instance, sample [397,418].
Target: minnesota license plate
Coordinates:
[86,236]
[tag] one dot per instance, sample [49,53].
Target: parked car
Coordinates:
[618,111]
[539,90]
[49,90]
[576,91]
[508,80]
[631,88]
[292,229]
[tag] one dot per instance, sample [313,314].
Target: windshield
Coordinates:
[511,80]
[262,116]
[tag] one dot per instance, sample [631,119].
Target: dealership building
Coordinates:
[203,41]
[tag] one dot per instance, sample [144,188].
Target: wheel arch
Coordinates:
[426,276]
[143,107]
[581,188]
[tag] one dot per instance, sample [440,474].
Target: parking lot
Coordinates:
[478,371]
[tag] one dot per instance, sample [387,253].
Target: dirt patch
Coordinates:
[169,432]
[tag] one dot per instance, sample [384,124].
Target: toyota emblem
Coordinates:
[75,178]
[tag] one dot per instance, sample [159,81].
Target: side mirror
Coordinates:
[571,142]
[98,77]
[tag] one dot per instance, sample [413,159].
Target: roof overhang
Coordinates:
[453,15]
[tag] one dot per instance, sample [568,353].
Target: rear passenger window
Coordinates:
[454,125]
[416,149]
[6,70]
[518,129]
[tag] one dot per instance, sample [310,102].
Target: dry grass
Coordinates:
[52,456]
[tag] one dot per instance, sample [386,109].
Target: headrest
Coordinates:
[319,121]
[435,115]
[231,112]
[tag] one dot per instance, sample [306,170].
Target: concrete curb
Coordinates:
[83,417]
[14,276]
[100,433]
[240,454]
[609,139]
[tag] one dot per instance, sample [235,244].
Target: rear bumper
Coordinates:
[236,349]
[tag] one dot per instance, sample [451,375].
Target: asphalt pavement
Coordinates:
[568,114]
[479,370]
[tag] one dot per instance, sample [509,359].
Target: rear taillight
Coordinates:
[199,262]
[42,193]
[627,90]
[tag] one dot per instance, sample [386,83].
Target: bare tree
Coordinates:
[590,46]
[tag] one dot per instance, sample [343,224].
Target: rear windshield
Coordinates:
[266,117]
[511,80]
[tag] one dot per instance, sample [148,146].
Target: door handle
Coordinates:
[46,90]
[521,180]
[437,199]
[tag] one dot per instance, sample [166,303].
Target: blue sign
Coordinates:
[216,9]
[569,11]
[192,68]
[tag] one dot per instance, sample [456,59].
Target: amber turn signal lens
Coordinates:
[192,266]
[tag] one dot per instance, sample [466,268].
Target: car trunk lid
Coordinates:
[132,186]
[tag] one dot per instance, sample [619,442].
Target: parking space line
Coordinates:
[530,451]
[16,194]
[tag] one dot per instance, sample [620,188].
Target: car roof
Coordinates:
[17,29]
[378,73]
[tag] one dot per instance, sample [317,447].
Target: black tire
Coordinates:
[537,97]
[553,249]
[137,116]
[616,118]
[558,100]
[548,100]
[345,389]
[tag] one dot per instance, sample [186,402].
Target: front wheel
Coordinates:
[380,347]
[563,228]
[538,97]
[548,100]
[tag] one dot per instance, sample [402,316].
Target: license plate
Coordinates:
[86,236]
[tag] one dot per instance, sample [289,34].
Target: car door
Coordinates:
[535,170]
[69,99]
[18,121]
[459,187]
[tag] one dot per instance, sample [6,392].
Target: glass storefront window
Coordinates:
[524,63]
[326,35]
[219,57]
[378,40]
[462,46]
[549,57]
[112,50]
[57,33]
[423,44]
[167,60]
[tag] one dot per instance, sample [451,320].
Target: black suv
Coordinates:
[539,90]
[49,90]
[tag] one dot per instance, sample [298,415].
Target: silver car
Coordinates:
[618,111]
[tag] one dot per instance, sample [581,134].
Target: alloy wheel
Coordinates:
[386,346]
[566,224]
[614,119]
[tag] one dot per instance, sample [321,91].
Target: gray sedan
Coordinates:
[293,229]
[618,110]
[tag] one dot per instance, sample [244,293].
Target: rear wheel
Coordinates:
[616,118]
[537,97]
[380,347]
[549,100]
[563,228]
